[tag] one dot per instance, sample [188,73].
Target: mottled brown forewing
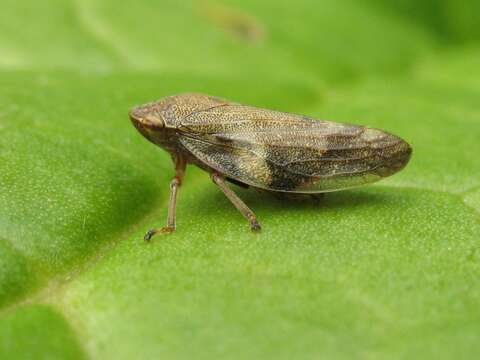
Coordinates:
[287,152]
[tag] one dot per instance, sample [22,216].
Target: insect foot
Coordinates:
[152,232]
[255,226]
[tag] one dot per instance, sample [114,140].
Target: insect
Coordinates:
[264,149]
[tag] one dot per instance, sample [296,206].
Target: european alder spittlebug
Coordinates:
[264,149]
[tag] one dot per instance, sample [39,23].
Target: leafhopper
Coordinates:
[264,149]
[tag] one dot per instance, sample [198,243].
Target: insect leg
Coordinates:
[237,202]
[175,183]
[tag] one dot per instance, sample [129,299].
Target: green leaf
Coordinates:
[386,271]
[37,332]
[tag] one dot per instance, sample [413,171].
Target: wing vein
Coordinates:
[284,165]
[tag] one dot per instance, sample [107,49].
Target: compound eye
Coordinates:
[150,119]
[154,119]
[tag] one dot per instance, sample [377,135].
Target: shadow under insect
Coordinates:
[264,203]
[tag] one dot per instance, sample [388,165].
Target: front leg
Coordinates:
[180,165]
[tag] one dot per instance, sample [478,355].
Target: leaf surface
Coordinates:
[386,271]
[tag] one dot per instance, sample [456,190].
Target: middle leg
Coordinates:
[237,202]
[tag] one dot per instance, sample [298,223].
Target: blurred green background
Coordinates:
[388,271]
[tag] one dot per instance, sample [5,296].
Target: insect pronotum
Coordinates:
[264,149]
